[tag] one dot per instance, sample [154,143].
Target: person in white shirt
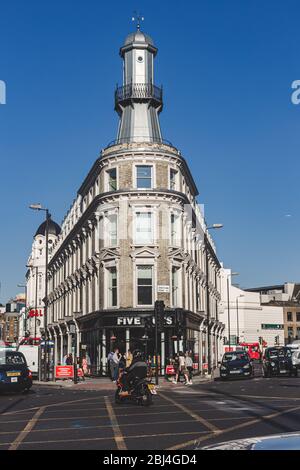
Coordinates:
[182,370]
[189,365]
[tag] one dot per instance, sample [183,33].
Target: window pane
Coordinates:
[144,281]
[144,227]
[112,229]
[112,179]
[173,174]
[112,283]
[144,176]
[174,286]
[144,171]
[144,183]
[144,272]
[145,296]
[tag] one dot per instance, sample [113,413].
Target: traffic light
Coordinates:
[260,340]
[224,340]
[179,322]
[277,340]
[148,324]
[160,315]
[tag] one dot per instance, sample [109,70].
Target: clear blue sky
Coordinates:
[227,68]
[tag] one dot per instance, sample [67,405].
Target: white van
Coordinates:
[31,354]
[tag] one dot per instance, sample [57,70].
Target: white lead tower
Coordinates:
[138,102]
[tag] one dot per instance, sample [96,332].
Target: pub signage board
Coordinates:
[133,320]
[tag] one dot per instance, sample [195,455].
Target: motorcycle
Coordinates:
[140,391]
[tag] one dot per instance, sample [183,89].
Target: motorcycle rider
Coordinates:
[137,370]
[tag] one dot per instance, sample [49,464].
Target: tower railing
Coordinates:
[138,91]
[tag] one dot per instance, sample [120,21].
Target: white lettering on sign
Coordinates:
[129,321]
[137,321]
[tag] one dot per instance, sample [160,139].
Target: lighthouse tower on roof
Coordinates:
[138,102]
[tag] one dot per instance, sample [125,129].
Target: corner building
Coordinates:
[133,235]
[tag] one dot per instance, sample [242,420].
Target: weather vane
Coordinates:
[138,18]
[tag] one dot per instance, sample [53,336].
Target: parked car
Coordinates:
[14,373]
[236,364]
[278,361]
[296,358]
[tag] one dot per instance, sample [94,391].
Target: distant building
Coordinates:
[287,297]
[10,317]
[35,280]
[250,318]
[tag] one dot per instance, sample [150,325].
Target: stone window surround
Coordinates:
[142,208]
[178,266]
[144,162]
[147,262]
[106,177]
[107,303]
[177,185]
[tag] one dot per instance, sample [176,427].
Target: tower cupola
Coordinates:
[138,102]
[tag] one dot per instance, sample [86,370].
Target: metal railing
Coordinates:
[138,91]
[140,139]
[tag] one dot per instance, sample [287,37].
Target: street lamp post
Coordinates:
[228,306]
[38,207]
[206,247]
[36,296]
[25,317]
[237,317]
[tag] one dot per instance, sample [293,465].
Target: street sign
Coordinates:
[64,372]
[163,289]
[272,326]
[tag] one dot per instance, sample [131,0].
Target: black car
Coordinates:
[278,361]
[236,364]
[14,373]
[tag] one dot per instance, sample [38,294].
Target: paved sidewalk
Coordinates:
[104,383]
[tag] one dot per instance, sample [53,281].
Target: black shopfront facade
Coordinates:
[103,331]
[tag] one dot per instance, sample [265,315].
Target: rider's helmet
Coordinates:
[137,354]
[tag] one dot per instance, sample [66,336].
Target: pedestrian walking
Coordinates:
[110,365]
[182,369]
[115,364]
[176,368]
[189,365]
[85,367]
[128,358]
[69,360]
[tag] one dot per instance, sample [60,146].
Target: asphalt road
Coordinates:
[52,418]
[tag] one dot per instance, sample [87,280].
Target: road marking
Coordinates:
[266,398]
[197,417]
[29,426]
[234,428]
[51,405]
[116,428]
[92,439]
[80,428]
